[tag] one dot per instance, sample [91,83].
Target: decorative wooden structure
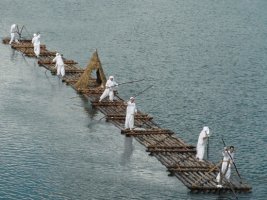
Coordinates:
[165,145]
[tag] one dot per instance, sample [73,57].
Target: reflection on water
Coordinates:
[127,152]
[13,54]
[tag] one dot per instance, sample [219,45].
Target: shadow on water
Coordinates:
[128,151]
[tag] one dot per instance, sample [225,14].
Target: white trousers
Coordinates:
[12,38]
[60,70]
[107,92]
[200,151]
[36,49]
[129,121]
[223,170]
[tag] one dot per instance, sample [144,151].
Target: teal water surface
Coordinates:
[207,60]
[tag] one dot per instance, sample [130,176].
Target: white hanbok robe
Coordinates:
[109,91]
[36,44]
[13,30]
[59,65]
[226,159]
[202,142]
[130,111]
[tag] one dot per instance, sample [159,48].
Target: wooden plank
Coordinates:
[188,170]
[159,131]
[177,150]
[53,70]
[50,62]
[107,103]
[26,45]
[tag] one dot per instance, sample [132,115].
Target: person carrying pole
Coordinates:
[202,142]
[130,112]
[225,171]
[36,44]
[109,90]
[59,65]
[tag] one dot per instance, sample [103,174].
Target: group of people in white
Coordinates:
[36,41]
[228,156]
[131,110]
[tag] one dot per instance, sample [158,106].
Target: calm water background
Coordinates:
[208,62]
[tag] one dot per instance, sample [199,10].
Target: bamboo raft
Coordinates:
[177,156]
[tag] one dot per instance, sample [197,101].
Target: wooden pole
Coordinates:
[208,148]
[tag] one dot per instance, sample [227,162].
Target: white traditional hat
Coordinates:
[57,54]
[207,130]
[131,98]
[34,35]
[111,77]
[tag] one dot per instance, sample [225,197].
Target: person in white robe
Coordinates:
[13,31]
[59,65]
[202,142]
[227,161]
[109,89]
[130,112]
[36,44]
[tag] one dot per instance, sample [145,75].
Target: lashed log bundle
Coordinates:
[177,156]
[49,62]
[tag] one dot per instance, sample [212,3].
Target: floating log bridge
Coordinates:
[177,156]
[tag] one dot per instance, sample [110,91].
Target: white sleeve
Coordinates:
[108,84]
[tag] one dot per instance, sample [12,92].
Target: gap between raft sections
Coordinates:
[178,172]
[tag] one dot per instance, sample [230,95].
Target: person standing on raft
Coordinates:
[109,90]
[130,112]
[36,44]
[59,65]
[13,31]
[202,142]
[227,161]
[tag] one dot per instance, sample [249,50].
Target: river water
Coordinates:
[207,62]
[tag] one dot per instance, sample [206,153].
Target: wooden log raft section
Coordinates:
[165,145]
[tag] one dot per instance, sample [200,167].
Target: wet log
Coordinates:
[148,131]
[91,90]
[26,45]
[50,62]
[53,70]
[171,149]
[191,169]
[42,54]
[122,117]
